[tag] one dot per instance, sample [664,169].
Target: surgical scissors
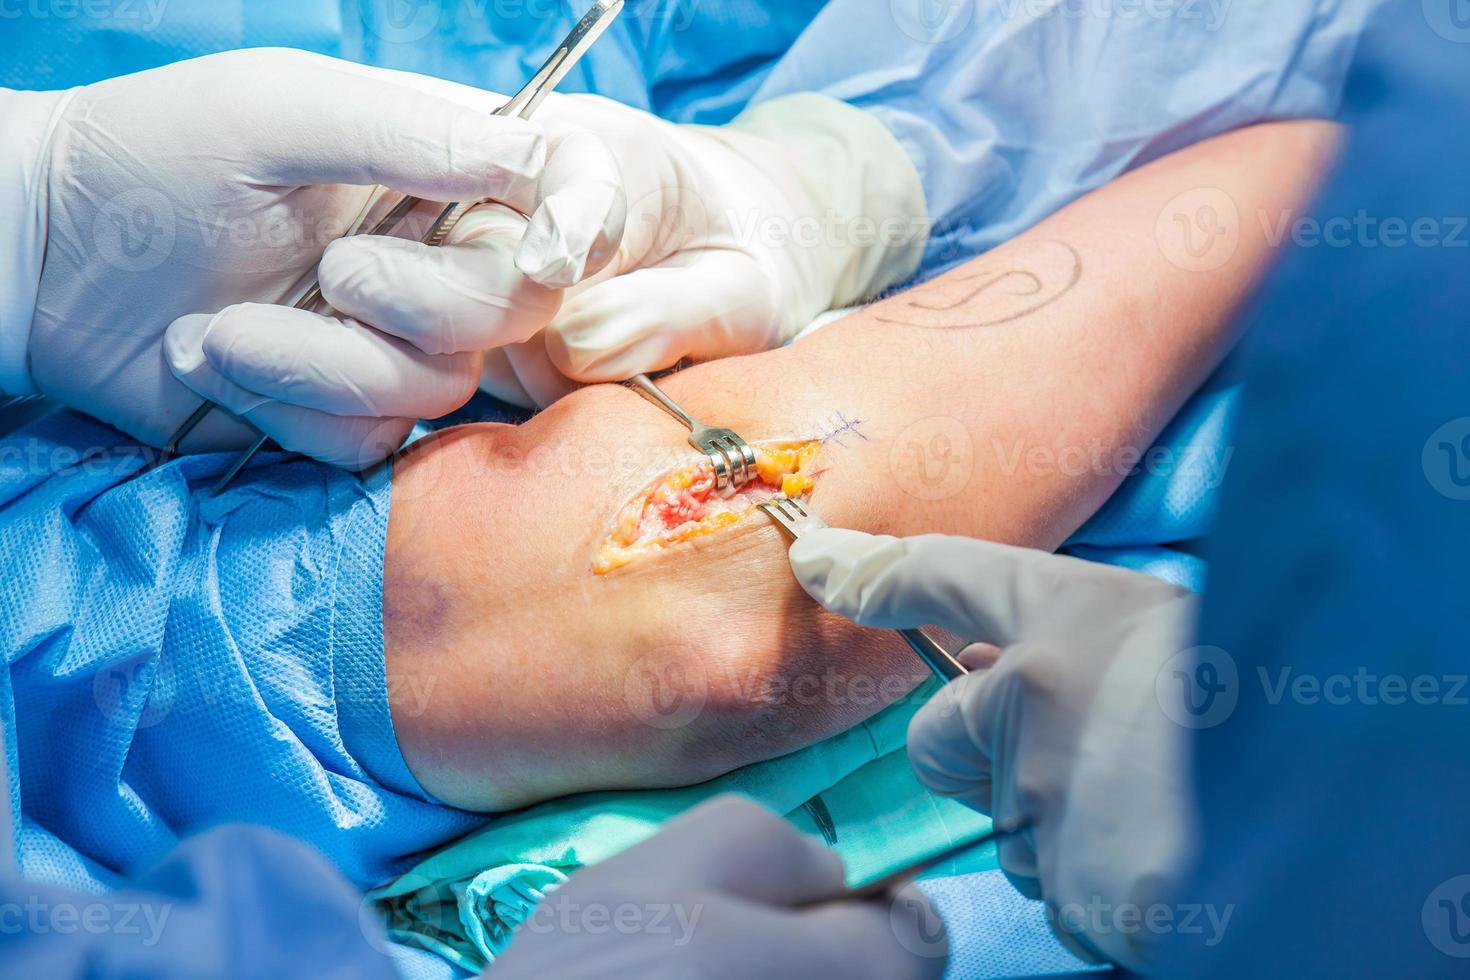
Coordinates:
[521,105]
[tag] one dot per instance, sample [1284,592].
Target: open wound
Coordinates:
[683,503]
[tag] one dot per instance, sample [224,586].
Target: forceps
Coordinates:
[521,105]
[796,519]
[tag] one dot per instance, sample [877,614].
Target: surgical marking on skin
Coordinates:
[987,280]
[835,428]
[1031,282]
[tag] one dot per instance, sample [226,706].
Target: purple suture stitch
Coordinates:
[840,425]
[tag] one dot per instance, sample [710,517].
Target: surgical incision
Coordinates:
[684,503]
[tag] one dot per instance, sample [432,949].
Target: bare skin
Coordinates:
[517,675]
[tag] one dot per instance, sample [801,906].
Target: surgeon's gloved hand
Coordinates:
[1079,726]
[722,892]
[196,191]
[736,237]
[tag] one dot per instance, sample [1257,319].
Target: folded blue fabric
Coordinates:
[1011,110]
[176,660]
[994,931]
[1167,502]
[690,60]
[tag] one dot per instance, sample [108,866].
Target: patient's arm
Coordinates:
[517,674]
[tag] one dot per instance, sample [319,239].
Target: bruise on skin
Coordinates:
[415,605]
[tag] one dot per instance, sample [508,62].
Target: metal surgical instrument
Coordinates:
[732,457]
[885,886]
[796,519]
[521,105]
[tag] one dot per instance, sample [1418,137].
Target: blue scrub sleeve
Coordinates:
[1010,110]
[1333,795]
[686,60]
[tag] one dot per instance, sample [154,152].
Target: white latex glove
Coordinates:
[736,237]
[199,189]
[713,895]
[1077,726]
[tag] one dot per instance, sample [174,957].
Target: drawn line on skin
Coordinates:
[991,279]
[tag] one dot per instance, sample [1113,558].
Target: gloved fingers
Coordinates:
[945,748]
[1017,858]
[335,123]
[898,937]
[1030,887]
[578,209]
[523,375]
[183,350]
[535,373]
[464,296]
[979,656]
[1069,924]
[965,742]
[980,589]
[734,847]
[350,442]
[274,353]
[699,305]
[498,378]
